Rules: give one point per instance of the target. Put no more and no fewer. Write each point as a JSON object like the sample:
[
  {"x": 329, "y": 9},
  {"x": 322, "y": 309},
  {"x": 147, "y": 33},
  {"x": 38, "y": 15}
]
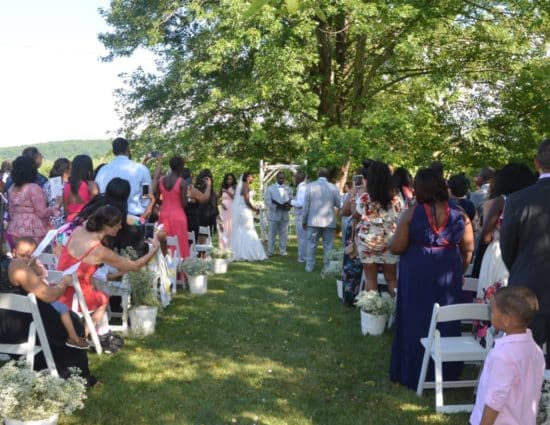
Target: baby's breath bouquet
[
  {"x": 142, "y": 283},
  {"x": 333, "y": 269},
  {"x": 336, "y": 254},
  {"x": 372, "y": 302},
  {"x": 27, "y": 395},
  {"x": 195, "y": 266},
  {"x": 221, "y": 253}
]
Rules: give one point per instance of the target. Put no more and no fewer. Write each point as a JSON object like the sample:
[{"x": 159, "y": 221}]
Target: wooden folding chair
[
  {"x": 452, "y": 349},
  {"x": 28, "y": 304}
]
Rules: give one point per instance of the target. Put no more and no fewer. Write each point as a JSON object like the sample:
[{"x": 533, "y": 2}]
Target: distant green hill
[{"x": 66, "y": 148}]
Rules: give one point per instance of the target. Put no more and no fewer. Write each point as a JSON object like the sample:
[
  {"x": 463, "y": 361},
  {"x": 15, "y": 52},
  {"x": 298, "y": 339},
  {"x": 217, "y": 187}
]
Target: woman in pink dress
[
  {"x": 81, "y": 187},
  {"x": 28, "y": 209},
  {"x": 227, "y": 193},
  {"x": 173, "y": 191}
]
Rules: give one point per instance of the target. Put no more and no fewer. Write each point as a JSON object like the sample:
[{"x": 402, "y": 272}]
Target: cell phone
[
  {"x": 145, "y": 190},
  {"x": 154, "y": 154},
  {"x": 149, "y": 230},
  {"x": 358, "y": 180}
]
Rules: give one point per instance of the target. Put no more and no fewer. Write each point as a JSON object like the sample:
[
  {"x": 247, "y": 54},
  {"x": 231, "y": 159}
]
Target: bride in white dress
[{"x": 245, "y": 243}]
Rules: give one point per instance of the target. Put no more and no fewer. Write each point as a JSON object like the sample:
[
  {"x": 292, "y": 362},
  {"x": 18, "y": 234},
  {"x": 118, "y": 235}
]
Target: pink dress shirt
[{"x": 511, "y": 381}]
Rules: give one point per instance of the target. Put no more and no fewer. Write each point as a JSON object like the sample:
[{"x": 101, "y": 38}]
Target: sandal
[{"x": 79, "y": 343}]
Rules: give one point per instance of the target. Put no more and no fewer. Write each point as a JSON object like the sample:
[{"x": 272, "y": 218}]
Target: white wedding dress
[{"x": 245, "y": 243}]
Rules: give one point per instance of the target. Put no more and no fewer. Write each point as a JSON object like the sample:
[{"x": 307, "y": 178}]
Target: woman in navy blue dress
[{"x": 435, "y": 241}]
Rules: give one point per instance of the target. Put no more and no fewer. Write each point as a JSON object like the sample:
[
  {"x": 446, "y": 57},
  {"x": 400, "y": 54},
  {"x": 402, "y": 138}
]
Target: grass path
[{"x": 268, "y": 344}]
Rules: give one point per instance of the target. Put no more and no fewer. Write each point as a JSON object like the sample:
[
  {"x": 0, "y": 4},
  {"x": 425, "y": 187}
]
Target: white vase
[
  {"x": 52, "y": 420},
  {"x": 143, "y": 319},
  {"x": 373, "y": 324},
  {"x": 198, "y": 284},
  {"x": 219, "y": 265},
  {"x": 340, "y": 289}
]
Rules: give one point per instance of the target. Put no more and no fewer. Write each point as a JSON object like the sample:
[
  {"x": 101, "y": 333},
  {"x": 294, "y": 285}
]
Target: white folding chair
[
  {"x": 452, "y": 349},
  {"x": 470, "y": 284},
  {"x": 27, "y": 304},
  {"x": 49, "y": 261},
  {"x": 172, "y": 242},
  {"x": 79, "y": 300},
  {"x": 192, "y": 244},
  {"x": 205, "y": 247},
  {"x": 120, "y": 288},
  {"x": 54, "y": 276}
]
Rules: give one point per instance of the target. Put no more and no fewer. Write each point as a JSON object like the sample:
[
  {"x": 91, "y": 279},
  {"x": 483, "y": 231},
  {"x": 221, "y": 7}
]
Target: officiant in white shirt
[
  {"x": 277, "y": 201},
  {"x": 298, "y": 204}
]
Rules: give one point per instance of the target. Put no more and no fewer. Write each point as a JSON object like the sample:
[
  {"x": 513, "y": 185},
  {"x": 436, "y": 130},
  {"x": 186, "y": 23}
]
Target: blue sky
[{"x": 52, "y": 84}]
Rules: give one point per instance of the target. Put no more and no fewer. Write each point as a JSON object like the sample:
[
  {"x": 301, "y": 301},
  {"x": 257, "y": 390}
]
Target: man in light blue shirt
[{"x": 137, "y": 175}]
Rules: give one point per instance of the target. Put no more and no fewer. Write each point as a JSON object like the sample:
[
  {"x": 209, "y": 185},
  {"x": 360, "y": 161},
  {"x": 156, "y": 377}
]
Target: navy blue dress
[{"x": 430, "y": 271}]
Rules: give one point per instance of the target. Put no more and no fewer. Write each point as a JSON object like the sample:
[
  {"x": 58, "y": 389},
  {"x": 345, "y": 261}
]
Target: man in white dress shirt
[
  {"x": 277, "y": 201},
  {"x": 137, "y": 175},
  {"x": 298, "y": 204}
]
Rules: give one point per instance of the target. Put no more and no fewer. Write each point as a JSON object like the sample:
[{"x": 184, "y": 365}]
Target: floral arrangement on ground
[
  {"x": 29, "y": 395},
  {"x": 374, "y": 303},
  {"x": 333, "y": 269},
  {"x": 221, "y": 253},
  {"x": 195, "y": 266},
  {"x": 142, "y": 283}
]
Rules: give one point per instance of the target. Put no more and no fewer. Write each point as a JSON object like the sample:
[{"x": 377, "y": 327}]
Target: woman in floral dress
[{"x": 377, "y": 210}]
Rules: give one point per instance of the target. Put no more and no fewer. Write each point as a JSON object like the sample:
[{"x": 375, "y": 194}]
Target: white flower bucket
[
  {"x": 340, "y": 289},
  {"x": 219, "y": 265},
  {"x": 52, "y": 420},
  {"x": 372, "y": 324},
  {"x": 198, "y": 284},
  {"x": 143, "y": 319}
]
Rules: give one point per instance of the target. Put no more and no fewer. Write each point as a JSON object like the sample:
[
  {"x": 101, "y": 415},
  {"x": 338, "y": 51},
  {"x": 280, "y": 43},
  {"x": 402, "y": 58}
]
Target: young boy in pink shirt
[{"x": 510, "y": 385}]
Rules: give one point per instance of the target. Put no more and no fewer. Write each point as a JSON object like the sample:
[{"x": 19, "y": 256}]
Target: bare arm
[
  {"x": 490, "y": 219},
  {"x": 400, "y": 240},
  {"x": 105, "y": 255},
  {"x": 21, "y": 274},
  {"x": 467, "y": 243},
  {"x": 93, "y": 188},
  {"x": 202, "y": 197},
  {"x": 156, "y": 175},
  {"x": 183, "y": 189},
  {"x": 246, "y": 197},
  {"x": 346, "y": 208},
  {"x": 489, "y": 416}
]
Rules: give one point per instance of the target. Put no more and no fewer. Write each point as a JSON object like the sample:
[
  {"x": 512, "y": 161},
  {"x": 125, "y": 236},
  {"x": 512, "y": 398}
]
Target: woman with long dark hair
[
  {"x": 81, "y": 186},
  {"x": 377, "y": 210}
]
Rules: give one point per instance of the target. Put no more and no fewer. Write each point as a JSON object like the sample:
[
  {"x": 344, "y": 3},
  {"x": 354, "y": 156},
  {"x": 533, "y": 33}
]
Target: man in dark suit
[{"x": 525, "y": 242}]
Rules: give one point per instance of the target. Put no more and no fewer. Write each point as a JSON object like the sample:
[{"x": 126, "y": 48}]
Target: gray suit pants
[
  {"x": 313, "y": 234},
  {"x": 280, "y": 228},
  {"x": 301, "y": 236}
]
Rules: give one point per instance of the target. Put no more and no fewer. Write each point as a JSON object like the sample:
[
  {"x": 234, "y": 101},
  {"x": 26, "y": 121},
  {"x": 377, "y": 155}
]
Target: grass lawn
[{"x": 268, "y": 344}]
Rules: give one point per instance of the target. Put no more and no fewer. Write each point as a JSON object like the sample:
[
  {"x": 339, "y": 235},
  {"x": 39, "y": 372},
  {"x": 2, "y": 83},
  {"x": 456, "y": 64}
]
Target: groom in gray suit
[
  {"x": 318, "y": 216},
  {"x": 277, "y": 201}
]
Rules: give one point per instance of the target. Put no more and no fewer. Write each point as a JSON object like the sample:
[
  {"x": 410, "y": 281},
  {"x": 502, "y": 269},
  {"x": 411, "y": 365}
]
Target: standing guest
[
  {"x": 403, "y": 182},
  {"x": 318, "y": 216},
  {"x": 28, "y": 210},
  {"x": 482, "y": 181},
  {"x": 435, "y": 242},
  {"x": 36, "y": 157},
  {"x": 173, "y": 191},
  {"x": 277, "y": 202},
  {"x": 208, "y": 211},
  {"x": 137, "y": 174},
  {"x": 196, "y": 196},
  {"x": 298, "y": 204},
  {"x": 81, "y": 187},
  {"x": 437, "y": 166},
  {"x": 525, "y": 242},
  {"x": 458, "y": 189},
  {"x": 87, "y": 246},
  {"x": 61, "y": 168},
  {"x": 5, "y": 171},
  {"x": 227, "y": 193},
  {"x": 510, "y": 385},
  {"x": 377, "y": 210}
]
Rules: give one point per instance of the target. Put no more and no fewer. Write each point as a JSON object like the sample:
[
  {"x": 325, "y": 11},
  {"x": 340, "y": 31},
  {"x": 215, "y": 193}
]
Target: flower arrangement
[
  {"x": 221, "y": 253},
  {"x": 142, "y": 283},
  {"x": 195, "y": 266},
  {"x": 27, "y": 395},
  {"x": 336, "y": 254},
  {"x": 543, "y": 415},
  {"x": 334, "y": 269},
  {"x": 374, "y": 303}
]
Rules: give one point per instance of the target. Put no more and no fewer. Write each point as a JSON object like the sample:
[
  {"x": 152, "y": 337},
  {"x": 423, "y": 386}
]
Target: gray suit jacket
[
  {"x": 272, "y": 197},
  {"x": 321, "y": 199}
]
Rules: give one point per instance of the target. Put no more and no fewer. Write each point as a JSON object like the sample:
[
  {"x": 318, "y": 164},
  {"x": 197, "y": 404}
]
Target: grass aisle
[{"x": 268, "y": 344}]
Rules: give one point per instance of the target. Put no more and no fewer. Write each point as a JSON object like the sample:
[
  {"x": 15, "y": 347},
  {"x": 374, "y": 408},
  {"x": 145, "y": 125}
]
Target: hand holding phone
[
  {"x": 358, "y": 180},
  {"x": 145, "y": 190}
]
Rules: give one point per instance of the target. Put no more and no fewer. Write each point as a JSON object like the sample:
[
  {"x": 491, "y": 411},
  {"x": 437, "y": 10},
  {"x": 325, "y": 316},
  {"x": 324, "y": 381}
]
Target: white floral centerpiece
[
  {"x": 197, "y": 270},
  {"x": 220, "y": 260},
  {"x": 375, "y": 309},
  {"x": 336, "y": 254},
  {"x": 27, "y": 395}
]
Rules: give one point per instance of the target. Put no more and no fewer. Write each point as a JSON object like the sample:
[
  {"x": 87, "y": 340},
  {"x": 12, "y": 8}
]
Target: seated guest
[
  {"x": 435, "y": 242},
  {"x": 81, "y": 187},
  {"x": 16, "y": 277},
  {"x": 28, "y": 210},
  {"x": 87, "y": 246}
]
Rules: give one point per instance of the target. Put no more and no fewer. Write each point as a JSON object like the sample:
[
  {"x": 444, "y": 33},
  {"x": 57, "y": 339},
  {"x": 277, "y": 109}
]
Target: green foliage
[{"x": 331, "y": 81}]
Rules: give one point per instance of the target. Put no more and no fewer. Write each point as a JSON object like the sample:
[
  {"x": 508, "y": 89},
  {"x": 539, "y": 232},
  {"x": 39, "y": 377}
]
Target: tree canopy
[{"x": 335, "y": 81}]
